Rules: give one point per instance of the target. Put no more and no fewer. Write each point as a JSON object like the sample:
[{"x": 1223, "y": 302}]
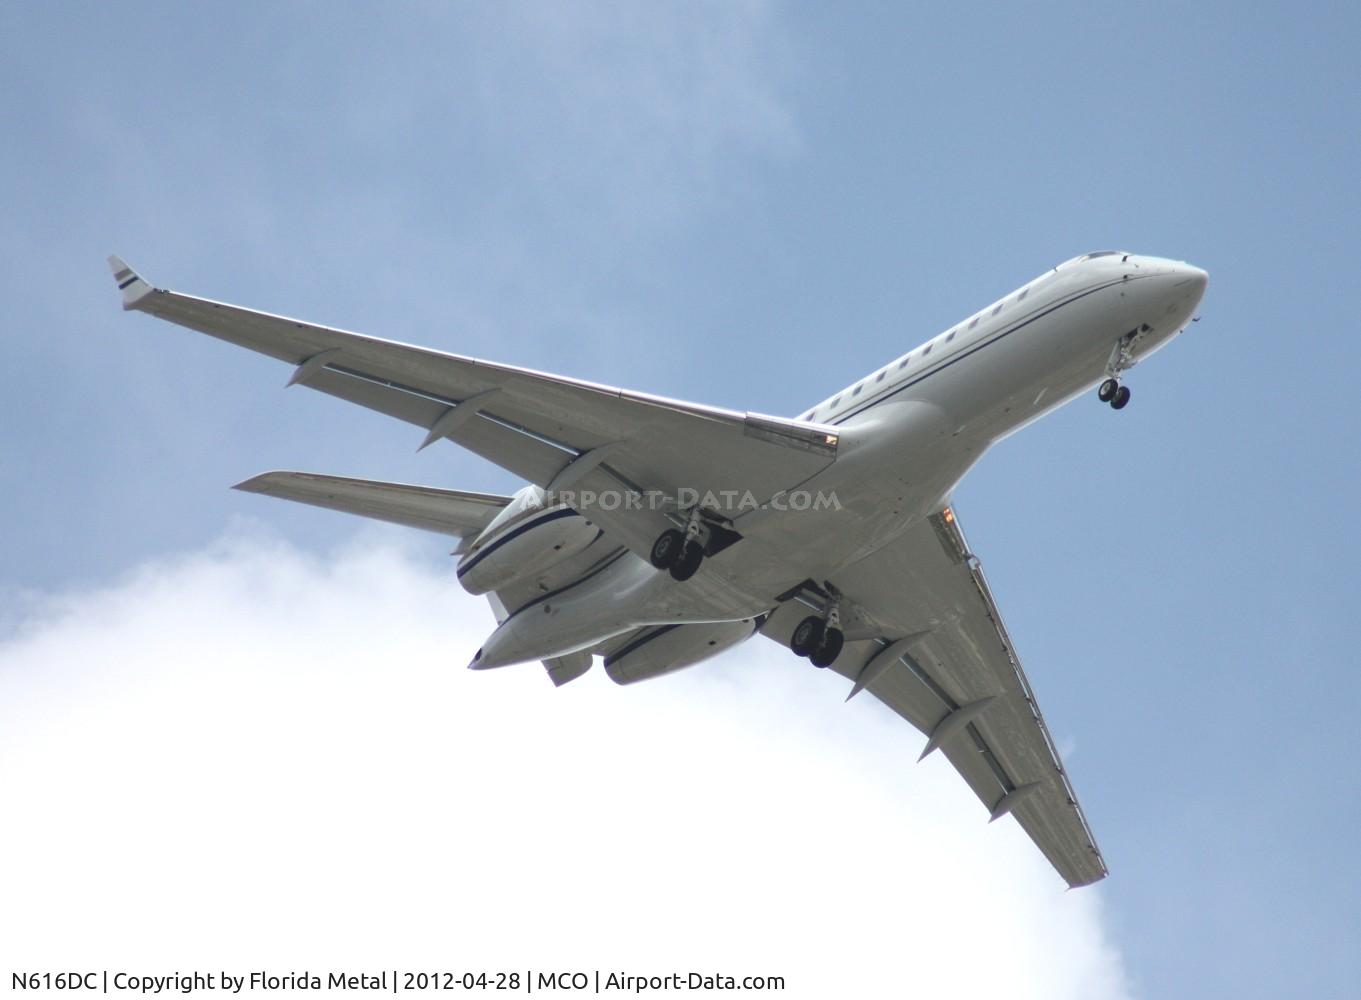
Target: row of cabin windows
[{"x": 908, "y": 359}]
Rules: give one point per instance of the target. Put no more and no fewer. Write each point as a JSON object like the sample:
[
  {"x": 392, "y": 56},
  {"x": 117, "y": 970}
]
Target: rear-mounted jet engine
[{"x": 526, "y": 538}]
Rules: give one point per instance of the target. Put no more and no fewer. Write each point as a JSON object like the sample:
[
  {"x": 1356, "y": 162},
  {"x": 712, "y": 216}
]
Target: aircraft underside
[{"x": 658, "y": 533}]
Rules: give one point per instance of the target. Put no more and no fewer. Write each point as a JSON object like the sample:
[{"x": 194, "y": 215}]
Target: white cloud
[{"x": 250, "y": 757}]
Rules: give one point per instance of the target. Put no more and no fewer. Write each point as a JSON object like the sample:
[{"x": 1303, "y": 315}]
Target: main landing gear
[
  {"x": 819, "y": 640},
  {"x": 681, "y": 552},
  {"x": 674, "y": 552}
]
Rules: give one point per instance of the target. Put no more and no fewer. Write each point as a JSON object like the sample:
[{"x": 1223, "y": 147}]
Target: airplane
[{"x": 656, "y": 533}]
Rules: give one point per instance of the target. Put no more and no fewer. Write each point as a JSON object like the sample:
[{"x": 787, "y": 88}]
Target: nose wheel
[
  {"x": 1113, "y": 392},
  {"x": 816, "y": 640}
]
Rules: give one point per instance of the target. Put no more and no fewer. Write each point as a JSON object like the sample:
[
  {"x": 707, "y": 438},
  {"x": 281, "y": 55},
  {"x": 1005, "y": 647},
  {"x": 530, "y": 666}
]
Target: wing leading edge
[{"x": 557, "y": 432}]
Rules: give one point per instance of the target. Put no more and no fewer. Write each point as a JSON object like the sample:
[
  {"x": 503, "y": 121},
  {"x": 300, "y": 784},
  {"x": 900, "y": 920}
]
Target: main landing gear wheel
[
  {"x": 813, "y": 639},
  {"x": 825, "y": 655},
  {"x": 687, "y": 565},
  {"x": 1121, "y": 398},
  {"x": 808, "y": 636},
  {"x": 667, "y": 549},
  {"x": 1107, "y": 390}
]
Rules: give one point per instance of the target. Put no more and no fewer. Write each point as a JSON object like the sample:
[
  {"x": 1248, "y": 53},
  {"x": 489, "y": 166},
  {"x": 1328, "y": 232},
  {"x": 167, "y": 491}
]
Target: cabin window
[
  {"x": 951, "y": 336},
  {"x": 1023, "y": 294},
  {"x": 998, "y": 309},
  {"x": 973, "y": 323},
  {"x": 835, "y": 401},
  {"x": 856, "y": 390},
  {"x": 903, "y": 363},
  {"x": 880, "y": 376},
  {"x": 926, "y": 350}
]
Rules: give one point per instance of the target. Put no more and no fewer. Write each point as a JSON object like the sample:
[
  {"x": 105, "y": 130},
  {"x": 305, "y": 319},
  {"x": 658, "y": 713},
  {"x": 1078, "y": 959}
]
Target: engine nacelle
[
  {"x": 525, "y": 538},
  {"x": 661, "y": 649}
]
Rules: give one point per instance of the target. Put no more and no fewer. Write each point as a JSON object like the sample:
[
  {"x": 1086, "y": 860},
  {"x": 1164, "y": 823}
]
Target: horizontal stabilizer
[{"x": 449, "y": 512}]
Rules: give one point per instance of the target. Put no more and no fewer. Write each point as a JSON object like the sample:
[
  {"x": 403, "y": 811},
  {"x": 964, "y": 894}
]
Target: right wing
[
  {"x": 557, "y": 432},
  {"x": 924, "y": 636},
  {"x": 449, "y": 512}
]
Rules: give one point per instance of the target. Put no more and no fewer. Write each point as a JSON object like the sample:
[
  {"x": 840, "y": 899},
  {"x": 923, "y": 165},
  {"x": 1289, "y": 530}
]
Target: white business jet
[{"x": 657, "y": 533}]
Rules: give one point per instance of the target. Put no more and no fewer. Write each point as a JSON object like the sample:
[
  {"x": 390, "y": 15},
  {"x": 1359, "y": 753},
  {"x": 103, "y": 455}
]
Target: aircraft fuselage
[{"x": 908, "y": 433}]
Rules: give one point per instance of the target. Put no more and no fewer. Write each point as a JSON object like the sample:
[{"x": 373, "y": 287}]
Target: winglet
[{"x": 132, "y": 285}]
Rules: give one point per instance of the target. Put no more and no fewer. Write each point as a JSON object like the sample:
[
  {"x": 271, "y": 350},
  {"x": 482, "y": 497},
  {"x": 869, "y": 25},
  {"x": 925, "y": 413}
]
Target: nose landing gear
[
  {"x": 1113, "y": 392},
  {"x": 1121, "y": 360}
]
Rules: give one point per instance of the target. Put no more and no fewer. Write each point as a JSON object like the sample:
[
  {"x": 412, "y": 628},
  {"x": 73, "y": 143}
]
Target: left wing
[
  {"x": 557, "y": 432},
  {"x": 925, "y": 637}
]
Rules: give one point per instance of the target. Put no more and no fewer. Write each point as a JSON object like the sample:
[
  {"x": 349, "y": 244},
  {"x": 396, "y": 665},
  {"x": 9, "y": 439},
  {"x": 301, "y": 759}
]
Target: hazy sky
[{"x": 235, "y": 731}]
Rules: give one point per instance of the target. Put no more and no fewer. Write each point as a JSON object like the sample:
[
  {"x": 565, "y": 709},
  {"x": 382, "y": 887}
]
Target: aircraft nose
[
  {"x": 1185, "y": 286},
  {"x": 1194, "y": 276},
  {"x": 1183, "y": 290}
]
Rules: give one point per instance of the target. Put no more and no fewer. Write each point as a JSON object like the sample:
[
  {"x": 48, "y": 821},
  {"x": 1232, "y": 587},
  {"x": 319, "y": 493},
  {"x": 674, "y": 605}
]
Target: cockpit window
[{"x": 1092, "y": 256}]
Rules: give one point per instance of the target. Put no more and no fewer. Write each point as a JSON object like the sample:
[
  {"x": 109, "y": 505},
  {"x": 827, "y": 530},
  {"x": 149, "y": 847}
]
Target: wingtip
[
  {"x": 133, "y": 286},
  {"x": 260, "y": 483}
]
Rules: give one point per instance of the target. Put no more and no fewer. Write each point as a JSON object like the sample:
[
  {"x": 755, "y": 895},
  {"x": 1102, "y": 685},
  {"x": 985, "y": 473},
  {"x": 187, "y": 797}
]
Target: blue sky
[{"x": 752, "y": 205}]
